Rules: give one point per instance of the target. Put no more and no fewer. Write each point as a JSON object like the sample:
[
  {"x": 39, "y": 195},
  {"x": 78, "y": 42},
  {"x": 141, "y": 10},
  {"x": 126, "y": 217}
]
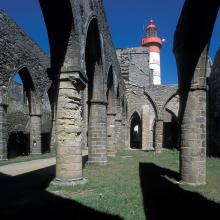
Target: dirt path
[
  {"x": 25, "y": 167},
  {"x": 28, "y": 166}
]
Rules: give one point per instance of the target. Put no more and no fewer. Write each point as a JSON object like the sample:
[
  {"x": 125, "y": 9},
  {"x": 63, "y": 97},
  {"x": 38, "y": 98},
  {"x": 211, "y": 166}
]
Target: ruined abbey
[{"x": 89, "y": 96}]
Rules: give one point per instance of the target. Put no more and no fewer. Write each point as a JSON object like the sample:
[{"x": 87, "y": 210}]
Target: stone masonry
[{"x": 76, "y": 80}]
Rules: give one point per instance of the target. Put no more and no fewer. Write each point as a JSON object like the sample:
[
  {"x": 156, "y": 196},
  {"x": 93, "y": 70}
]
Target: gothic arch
[
  {"x": 135, "y": 131},
  {"x": 153, "y": 103},
  {"x": 171, "y": 108},
  {"x": 18, "y": 120},
  {"x": 167, "y": 101}
]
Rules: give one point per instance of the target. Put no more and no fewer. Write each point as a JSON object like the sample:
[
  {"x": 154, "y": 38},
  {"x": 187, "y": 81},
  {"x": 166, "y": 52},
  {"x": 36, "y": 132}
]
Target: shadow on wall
[
  {"x": 166, "y": 200},
  {"x": 171, "y": 135},
  {"x": 45, "y": 141},
  {"x": 25, "y": 196},
  {"x": 18, "y": 145}
]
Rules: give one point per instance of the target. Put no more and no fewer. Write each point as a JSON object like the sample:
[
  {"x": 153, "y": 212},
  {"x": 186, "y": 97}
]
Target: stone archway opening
[
  {"x": 171, "y": 133},
  {"x": 24, "y": 121},
  {"x": 135, "y": 132},
  {"x": 19, "y": 136},
  {"x": 18, "y": 144}
]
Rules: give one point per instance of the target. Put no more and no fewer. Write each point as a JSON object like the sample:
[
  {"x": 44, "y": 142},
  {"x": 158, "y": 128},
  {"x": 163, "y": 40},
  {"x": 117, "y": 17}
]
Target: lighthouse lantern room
[{"x": 153, "y": 43}]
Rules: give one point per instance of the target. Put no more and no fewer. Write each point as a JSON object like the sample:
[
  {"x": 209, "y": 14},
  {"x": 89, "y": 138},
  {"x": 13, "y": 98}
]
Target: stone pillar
[
  {"x": 127, "y": 136},
  {"x": 111, "y": 150},
  {"x": 118, "y": 127},
  {"x": 146, "y": 128},
  {"x": 97, "y": 133},
  {"x": 53, "y": 136},
  {"x": 123, "y": 134},
  {"x": 68, "y": 128},
  {"x": 3, "y": 143},
  {"x": 193, "y": 126},
  {"x": 193, "y": 139},
  {"x": 158, "y": 135},
  {"x": 35, "y": 134},
  {"x": 85, "y": 118}
]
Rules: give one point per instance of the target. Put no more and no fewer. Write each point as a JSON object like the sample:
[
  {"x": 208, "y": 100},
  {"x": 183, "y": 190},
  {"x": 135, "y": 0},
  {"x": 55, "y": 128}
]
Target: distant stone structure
[
  {"x": 23, "y": 109},
  {"x": 87, "y": 95},
  {"x": 151, "y": 107}
]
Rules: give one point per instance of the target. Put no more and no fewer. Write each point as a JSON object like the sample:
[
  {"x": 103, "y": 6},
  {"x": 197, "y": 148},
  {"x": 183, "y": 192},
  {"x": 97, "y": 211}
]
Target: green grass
[
  {"x": 27, "y": 158},
  {"x": 119, "y": 187}
]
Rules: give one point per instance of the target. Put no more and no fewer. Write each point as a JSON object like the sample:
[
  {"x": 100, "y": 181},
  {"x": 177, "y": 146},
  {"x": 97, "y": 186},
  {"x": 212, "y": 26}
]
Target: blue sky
[{"x": 126, "y": 19}]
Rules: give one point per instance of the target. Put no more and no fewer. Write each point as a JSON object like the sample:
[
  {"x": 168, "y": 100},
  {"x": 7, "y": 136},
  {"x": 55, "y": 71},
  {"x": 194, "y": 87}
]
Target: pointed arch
[
  {"x": 176, "y": 93},
  {"x": 153, "y": 103},
  {"x": 135, "y": 131}
]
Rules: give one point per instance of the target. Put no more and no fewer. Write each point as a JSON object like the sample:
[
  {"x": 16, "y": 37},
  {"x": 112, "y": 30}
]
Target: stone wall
[
  {"x": 20, "y": 54},
  {"x": 136, "y": 101},
  {"x": 134, "y": 64},
  {"x": 18, "y": 50}
]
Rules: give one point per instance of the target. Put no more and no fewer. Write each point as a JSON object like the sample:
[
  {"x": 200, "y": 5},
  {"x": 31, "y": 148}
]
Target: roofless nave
[{"x": 88, "y": 95}]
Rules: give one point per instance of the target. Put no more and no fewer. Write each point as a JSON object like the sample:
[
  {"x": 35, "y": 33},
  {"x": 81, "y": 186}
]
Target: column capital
[
  {"x": 75, "y": 75},
  {"x": 118, "y": 119},
  {"x": 198, "y": 87},
  {"x": 193, "y": 87},
  {"x": 35, "y": 114},
  {"x": 72, "y": 73},
  {"x": 159, "y": 120},
  {"x": 111, "y": 113},
  {"x": 97, "y": 102}
]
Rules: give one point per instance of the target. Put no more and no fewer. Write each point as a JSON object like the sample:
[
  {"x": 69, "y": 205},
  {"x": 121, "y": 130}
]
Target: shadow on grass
[
  {"x": 164, "y": 199},
  {"x": 25, "y": 196}
]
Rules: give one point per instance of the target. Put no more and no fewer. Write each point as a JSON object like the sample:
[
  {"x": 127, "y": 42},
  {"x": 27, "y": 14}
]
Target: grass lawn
[{"x": 142, "y": 185}]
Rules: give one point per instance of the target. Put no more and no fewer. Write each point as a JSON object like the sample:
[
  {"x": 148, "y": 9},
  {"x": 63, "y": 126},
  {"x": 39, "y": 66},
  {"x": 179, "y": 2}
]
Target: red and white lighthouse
[{"x": 153, "y": 43}]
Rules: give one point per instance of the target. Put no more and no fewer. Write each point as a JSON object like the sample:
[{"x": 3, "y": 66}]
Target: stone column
[
  {"x": 193, "y": 139},
  {"x": 85, "y": 118},
  {"x": 53, "y": 142},
  {"x": 35, "y": 134},
  {"x": 123, "y": 134},
  {"x": 118, "y": 125},
  {"x": 158, "y": 135},
  {"x": 97, "y": 133},
  {"x": 111, "y": 150},
  {"x": 146, "y": 128},
  {"x": 118, "y": 135},
  {"x": 193, "y": 126},
  {"x": 3, "y": 143},
  {"x": 68, "y": 128},
  {"x": 127, "y": 136}
]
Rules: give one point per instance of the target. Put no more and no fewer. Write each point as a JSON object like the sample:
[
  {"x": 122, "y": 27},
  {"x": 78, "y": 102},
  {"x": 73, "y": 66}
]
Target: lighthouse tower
[{"x": 153, "y": 43}]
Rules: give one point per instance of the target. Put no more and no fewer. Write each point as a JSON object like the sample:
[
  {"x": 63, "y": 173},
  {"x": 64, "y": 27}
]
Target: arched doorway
[{"x": 135, "y": 132}]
